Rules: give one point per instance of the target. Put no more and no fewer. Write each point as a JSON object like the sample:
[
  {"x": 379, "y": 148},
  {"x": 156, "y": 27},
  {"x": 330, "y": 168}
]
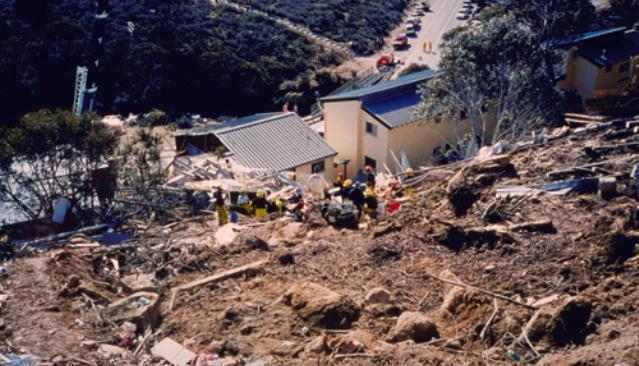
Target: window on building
[
  {"x": 462, "y": 115},
  {"x": 318, "y": 167},
  {"x": 624, "y": 67},
  {"x": 609, "y": 68},
  {"x": 371, "y": 162},
  {"x": 371, "y": 129}
]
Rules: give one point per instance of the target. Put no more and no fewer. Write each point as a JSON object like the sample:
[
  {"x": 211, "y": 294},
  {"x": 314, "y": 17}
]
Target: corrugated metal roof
[
  {"x": 384, "y": 87},
  {"x": 276, "y": 143},
  {"x": 395, "y": 111}
]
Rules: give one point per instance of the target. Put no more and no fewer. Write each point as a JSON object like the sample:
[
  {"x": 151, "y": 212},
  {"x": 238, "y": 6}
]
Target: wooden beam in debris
[{"x": 219, "y": 277}]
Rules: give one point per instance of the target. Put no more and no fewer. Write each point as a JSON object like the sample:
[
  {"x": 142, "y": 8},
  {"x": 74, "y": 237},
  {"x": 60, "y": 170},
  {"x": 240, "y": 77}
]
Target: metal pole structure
[
  {"x": 87, "y": 78},
  {"x": 97, "y": 52}
]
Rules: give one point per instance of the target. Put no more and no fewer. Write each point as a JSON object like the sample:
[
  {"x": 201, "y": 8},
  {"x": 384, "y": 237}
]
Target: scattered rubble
[{"x": 526, "y": 257}]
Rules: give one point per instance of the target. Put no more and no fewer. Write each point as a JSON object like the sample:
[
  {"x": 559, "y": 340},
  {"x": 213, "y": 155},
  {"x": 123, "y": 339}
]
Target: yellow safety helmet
[
  {"x": 260, "y": 194},
  {"x": 348, "y": 183},
  {"x": 409, "y": 172}
]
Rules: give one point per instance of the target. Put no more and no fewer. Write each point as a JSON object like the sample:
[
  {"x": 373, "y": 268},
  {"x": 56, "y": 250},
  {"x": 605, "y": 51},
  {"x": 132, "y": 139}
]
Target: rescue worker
[
  {"x": 410, "y": 173},
  {"x": 297, "y": 204},
  {"x": 338, "y": 181},
  {"x": 370, "y": 176},
  {"x": 244, "y": 203},
  {"x": 370, "y": 198},
  {"x": 6, "y": 250},
  {"x": 260, "y": 204},
  {"x": 345, "y": 189},
  {"x": 357, "y": 197},
  {"x": 219, "y": 198},
  {"x": 317, "y": 184},
  {"x": 275, "y": 205}
]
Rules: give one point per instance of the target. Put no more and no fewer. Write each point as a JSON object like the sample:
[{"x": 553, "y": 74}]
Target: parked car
[
  {"x": 463, "y": 14},
  {"x": 418, "y": 13},
  {"x": 409, "y": 29},
  {"x": 400, "y": 42}
]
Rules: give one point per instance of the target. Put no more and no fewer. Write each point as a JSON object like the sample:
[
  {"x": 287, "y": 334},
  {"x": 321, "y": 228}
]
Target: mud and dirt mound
[{"x": 320, "y": 306}]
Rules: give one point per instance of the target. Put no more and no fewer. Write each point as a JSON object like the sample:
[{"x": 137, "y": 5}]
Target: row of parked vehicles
[
  {"x": 469, "y": 8},
  {"x": 412, "y": 25}
]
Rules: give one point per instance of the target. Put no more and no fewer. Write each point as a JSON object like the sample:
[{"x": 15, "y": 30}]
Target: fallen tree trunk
[{"x": 218, "y": 277}]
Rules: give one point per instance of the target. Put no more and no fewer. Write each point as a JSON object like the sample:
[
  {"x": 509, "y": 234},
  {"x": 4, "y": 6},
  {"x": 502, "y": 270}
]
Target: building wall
[
  {"x": 568, "y": 83},
  {"x": 420, "y": 139},
  {"x": 591, "y": 82},
  {"x": 613, "y": 80},
  {"x": 585, "y": 77},
  {"x": 302, "y": 172},
  {"x": 374, "y": 147},
  {"x": 343, "y": 131}
]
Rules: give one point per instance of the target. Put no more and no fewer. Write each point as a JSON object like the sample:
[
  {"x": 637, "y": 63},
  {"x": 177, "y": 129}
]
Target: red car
[{"x": 400, "y": 42}]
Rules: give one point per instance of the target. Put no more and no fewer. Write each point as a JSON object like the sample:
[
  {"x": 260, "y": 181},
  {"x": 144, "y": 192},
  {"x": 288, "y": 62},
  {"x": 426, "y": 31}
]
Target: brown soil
[{"x": 590, "y": 254}]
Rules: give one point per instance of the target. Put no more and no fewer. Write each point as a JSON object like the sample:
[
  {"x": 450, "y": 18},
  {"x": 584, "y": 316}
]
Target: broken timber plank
[
  {"x": 541, "y": 225},
  {"x": 218, "y": 277}
]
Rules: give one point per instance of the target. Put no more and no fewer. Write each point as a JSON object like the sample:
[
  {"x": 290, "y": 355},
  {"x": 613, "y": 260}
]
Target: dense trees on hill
[
  {"x": 177, "y": 55},
  {"x": 357, "y": 21},
  {"x": 624, "y": 12}
]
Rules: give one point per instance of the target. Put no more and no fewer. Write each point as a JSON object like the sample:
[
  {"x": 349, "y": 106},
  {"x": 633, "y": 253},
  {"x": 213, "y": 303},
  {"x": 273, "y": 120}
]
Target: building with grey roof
[{"x": 268, "y": 141}]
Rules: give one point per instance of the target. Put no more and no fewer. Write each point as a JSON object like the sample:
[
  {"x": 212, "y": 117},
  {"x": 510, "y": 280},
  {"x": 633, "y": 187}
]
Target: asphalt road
[{"x": 435, "y": 23}]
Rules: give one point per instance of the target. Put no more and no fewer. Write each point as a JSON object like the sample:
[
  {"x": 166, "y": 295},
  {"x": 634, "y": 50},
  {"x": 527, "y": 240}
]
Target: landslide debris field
[{"x": 471, "y": 271}]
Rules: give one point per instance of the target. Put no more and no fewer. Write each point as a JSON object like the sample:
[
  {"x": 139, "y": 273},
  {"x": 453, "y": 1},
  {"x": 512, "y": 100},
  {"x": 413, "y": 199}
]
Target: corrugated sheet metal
[{"x": 276, "y": 143}]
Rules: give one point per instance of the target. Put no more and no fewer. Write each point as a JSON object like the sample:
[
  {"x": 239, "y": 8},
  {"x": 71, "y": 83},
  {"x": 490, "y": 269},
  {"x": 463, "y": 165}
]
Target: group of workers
[
  {"x": 259, "y": 206},
  {"x": 362, "y": 194}
]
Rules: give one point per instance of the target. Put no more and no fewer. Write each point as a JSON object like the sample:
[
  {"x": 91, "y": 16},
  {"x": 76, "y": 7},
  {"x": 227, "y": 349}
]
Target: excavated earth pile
[{"x": 525, "y": 257}]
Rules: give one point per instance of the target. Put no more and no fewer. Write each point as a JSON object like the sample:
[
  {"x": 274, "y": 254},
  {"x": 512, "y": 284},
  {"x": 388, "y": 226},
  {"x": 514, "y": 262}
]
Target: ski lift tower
[{"x": 83, "y": 96}]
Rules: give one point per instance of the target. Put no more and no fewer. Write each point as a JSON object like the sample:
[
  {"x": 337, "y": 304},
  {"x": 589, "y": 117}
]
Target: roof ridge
[{"x": 253, "y": 123}]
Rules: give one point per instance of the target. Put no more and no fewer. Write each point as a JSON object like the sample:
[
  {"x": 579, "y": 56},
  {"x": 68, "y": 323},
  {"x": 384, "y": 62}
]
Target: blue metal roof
[
  {"x": 587, "y": 36},
  {"x": 613, "y": 51},
  {"x": 390, "y": 86},
  {"x": 394, "y": 111}
]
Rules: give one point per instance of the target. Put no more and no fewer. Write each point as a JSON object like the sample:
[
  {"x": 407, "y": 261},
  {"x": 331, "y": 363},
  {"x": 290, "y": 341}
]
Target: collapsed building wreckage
[{"x": 529, "y": 255}]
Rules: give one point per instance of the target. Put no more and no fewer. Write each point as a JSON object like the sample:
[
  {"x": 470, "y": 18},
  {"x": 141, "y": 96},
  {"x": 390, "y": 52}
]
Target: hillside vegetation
[
  {"x": 357, "y": 21},
  {"x": 182, "y": 56}
]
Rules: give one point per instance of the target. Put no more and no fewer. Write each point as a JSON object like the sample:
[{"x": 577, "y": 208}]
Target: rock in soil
[
  {"x": 414, "y": 326},
  {"x": 562, "y": 325},
  {"x": 246, "y": 242},
  {"x": 320, "y": 306},
  {"x": 357, "y": 341}
]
